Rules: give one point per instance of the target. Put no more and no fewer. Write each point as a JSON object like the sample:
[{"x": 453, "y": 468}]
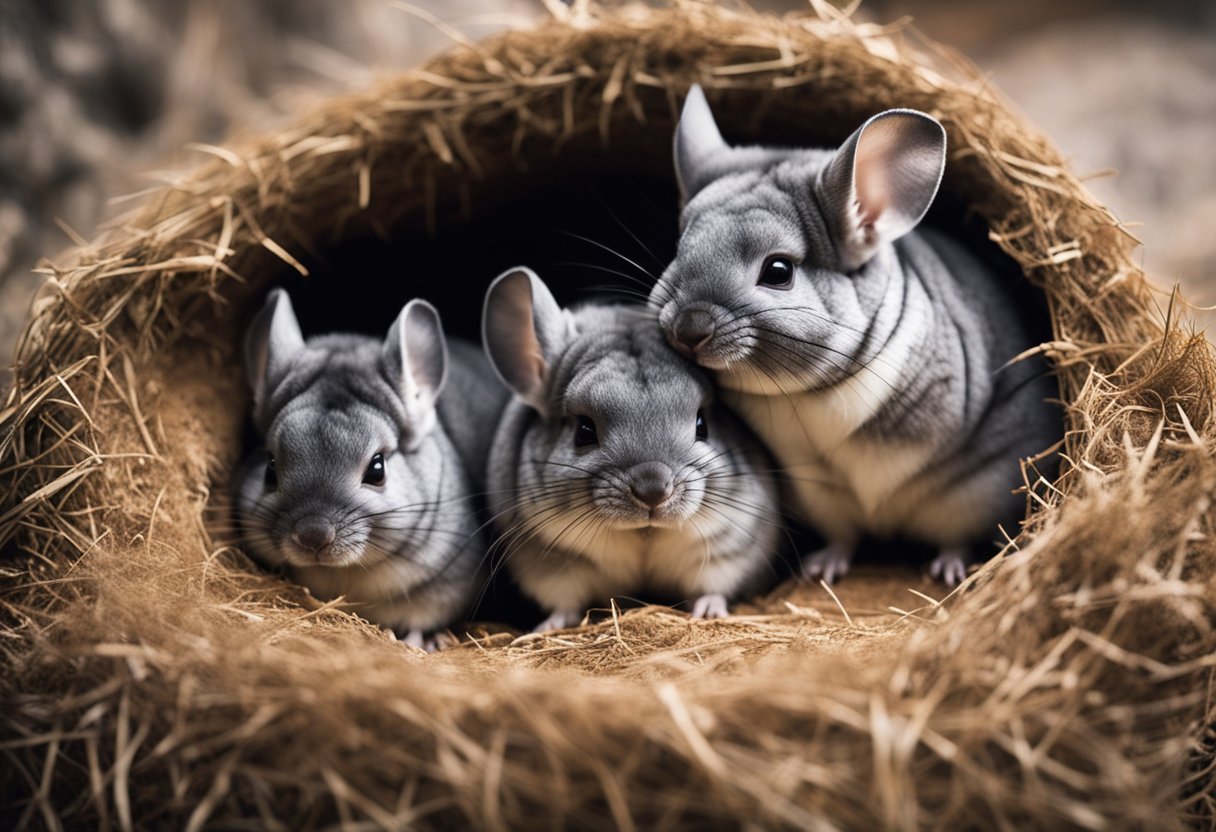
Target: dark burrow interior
[{"x": 591, "y": 237}]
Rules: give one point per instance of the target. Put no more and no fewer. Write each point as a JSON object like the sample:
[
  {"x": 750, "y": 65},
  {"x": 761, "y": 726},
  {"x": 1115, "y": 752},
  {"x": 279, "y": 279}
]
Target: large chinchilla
[{"x": 873, "y": 357}]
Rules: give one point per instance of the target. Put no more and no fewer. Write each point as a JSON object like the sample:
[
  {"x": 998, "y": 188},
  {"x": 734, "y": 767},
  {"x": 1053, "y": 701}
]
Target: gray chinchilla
[
  {"x": 374, "y": 452},
  {"x": 873, "y": 359},
  {"x": 614, "y": 470}
]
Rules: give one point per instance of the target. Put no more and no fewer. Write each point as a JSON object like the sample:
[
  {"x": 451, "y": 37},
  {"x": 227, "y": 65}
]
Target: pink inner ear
[
  {"x": 538, "y": 367},
  {"x": 520, "y": 339},
  {"x": 872, "y": 170},
  {"x": 533, "y": 358}
]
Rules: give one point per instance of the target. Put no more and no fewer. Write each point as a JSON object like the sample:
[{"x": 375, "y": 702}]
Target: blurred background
[{"x": 97, "y": 100}]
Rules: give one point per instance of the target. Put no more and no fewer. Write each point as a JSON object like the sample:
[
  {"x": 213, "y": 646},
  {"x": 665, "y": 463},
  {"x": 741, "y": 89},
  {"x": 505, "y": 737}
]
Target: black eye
[
  {"x": 272, "y": 478},
  {"x": 374, "y": 475},
  {"x": 777, "y": 273},
  {"x": 584, "y": 433},
  {"x": 702, "y": 428}
]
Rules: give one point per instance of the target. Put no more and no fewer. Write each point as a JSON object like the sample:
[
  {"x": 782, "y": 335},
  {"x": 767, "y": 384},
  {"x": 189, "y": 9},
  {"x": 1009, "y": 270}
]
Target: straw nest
[{"x": 152, "y": 677}]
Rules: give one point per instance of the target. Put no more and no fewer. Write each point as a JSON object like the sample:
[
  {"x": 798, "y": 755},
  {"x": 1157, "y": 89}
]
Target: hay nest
[{"x": 152, "y": 677}]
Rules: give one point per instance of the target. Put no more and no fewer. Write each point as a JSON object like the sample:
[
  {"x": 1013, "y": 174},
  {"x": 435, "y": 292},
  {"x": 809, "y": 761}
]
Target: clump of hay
[{"x": 152, "y": 678}]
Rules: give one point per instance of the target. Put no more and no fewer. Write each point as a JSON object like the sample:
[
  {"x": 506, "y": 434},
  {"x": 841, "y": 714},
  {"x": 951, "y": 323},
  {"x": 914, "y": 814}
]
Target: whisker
[
  {"x": 611, "y": 251},
  {"x": 625, "y": 227}
]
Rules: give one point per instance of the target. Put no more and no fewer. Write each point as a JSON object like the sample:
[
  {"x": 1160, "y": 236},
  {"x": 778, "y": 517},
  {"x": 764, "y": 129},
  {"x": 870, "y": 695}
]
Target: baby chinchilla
[
  {"x": 873, "y": 359},
  {"x": 613, "y": 470},
  {"x": 374, "y": 451}
]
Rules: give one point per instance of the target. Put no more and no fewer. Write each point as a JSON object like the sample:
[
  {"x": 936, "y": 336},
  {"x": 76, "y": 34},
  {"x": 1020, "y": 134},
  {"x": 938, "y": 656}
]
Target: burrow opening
[{"x": 593, "y": 236}]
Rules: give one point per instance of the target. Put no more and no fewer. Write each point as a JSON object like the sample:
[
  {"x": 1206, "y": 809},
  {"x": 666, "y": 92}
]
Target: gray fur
[
  {"x": 406, "y": 554},
  {"x": 574, "y": 533},
  {"x": 879, "y": 377}
]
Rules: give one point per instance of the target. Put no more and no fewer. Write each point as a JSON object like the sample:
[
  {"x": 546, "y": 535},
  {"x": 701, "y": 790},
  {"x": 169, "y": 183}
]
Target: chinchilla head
[
  {"x": 785, "y": 255},
  {"x": 352, "y": 460},
  {"x": 625, "y": 434}
]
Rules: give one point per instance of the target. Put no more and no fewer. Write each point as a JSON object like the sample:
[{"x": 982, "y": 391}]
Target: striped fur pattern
[{"x": 879, "y": 374}]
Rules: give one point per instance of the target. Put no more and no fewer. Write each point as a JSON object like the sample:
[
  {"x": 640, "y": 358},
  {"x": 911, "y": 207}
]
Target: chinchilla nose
[
  {"x": 691, "y": 329},
  {"x": 313, "y": 533},
  {"x": 651, "y": 483}
]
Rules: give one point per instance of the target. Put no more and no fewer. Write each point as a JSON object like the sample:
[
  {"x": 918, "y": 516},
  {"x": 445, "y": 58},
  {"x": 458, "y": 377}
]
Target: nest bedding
[{"x": 152, "y": 676}]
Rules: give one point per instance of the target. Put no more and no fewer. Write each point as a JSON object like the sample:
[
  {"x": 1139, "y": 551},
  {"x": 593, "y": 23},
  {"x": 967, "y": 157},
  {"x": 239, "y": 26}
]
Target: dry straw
[{"x": 151, "y": 678}]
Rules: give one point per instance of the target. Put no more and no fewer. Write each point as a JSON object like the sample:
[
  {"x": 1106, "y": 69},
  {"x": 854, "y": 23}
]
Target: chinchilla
[
  {"x": 373, "y": 454},
  {"x": 874, "y": 359},
  {"x": 614, "y": 470}
]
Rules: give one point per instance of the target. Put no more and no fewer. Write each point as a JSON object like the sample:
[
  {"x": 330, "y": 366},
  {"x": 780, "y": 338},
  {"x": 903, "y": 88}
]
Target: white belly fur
[
  {"x": 845, "y": 484},
  {"x": 380, "y": 592},
  {"x": 619, "y": 562}
]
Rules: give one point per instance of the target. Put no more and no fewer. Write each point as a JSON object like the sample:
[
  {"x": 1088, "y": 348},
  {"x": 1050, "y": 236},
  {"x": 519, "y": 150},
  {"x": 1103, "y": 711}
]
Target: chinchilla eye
[
  {"x": 702, "y": 428},
  {"x": 584, "y": 433},
  {"x": 374, "y": 475},
  {"x": 777, "y": 273},
  {"x": 272, "y": 478}
]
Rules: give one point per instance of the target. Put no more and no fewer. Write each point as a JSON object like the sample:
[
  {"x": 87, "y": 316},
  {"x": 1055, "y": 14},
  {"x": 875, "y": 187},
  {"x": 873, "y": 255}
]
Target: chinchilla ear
[
  {"x": 416, "y": 355},
  {"x": 271, "y": 344},
  {"x": 523, "y": 329},
  {"x": 697, "y": 142},
  {"x": 880, "y": 183}
]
